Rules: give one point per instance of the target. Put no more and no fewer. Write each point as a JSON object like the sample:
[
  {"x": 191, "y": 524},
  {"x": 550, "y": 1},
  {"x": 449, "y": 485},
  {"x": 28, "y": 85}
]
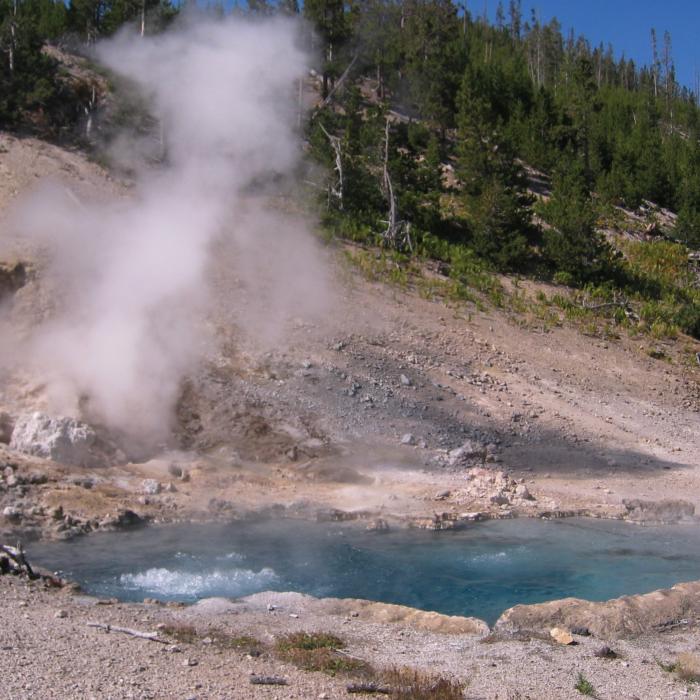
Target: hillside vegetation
[{"x": 504, "y": 147}]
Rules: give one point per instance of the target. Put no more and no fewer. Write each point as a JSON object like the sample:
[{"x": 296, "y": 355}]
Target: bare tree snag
[
  {"x": 338, "y": 84},
  {"x": 337, "y": 189},
  {"x": 396, "y": 231}
]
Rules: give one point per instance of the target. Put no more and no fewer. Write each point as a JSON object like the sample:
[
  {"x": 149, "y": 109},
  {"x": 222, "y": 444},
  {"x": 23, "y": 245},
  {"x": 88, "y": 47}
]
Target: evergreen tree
[{"x": 572, "y": 244}]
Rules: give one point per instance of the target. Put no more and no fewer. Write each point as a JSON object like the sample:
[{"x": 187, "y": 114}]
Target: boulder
[
  {"x": 151, "y": 487},
  {"x": 662, "y": 512},
  {"x": 61, "y": 439},
  {"x": 561, "y": 636},
  {"x": 470, "y": 451},
  {"x": 521, "y": 491}
]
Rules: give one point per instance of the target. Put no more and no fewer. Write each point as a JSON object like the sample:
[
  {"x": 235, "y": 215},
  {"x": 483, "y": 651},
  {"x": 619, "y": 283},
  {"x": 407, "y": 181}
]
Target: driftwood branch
[
  {"x": 16, "y": 554},
  {"x": 151, "y": 636},
  {"x": 268, "y": 680},
  {"x": 606, "y": 305},
  {"x": 622, "y": 303}
]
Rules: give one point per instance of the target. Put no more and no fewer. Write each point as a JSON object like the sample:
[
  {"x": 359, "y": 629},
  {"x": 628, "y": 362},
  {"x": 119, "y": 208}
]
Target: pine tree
[{"x": 572, "y": 244}]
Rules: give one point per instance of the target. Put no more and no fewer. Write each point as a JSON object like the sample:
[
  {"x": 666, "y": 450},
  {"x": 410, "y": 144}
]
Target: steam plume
[{"x": 132, "y": 274}]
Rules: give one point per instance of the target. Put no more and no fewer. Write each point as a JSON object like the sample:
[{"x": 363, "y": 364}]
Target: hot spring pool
[{"x": 480, "y": 571}]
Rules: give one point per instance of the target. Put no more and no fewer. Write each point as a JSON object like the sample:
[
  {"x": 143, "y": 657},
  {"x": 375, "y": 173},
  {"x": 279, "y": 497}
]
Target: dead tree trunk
[
  {"x": 397, "y": 232},
  {"x": 337, "y": 189}
]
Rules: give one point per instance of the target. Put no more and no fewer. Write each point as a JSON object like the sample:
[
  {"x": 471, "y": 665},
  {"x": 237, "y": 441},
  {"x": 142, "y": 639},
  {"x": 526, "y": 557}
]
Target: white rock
[
  {"x": 521, "y": 491},
  {"x": 61, "y": 439},
  {"x": 408, "y": 439},
  {"x": 150, "y": 487},
  {"x": 11, "y": 513}
]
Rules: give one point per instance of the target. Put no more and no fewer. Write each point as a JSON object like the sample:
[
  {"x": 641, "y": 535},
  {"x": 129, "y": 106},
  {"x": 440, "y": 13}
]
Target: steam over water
[{"x": 479, "y": 571}]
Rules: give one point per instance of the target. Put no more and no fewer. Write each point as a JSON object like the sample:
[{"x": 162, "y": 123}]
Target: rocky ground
[
  {"x": 391, "y": 409},
  {"x": 47, "y": 647}
]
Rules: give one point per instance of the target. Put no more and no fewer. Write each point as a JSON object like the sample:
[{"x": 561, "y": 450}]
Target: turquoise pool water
[{"x": 479, "y": 571}]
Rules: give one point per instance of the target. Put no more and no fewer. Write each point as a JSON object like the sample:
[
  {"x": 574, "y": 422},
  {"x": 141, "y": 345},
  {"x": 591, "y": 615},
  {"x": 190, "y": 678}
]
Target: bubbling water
[{"x": 478, "y": 571}]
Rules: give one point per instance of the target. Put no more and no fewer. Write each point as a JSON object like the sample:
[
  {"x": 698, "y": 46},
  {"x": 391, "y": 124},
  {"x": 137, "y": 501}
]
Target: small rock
[
  {"x": 521, "y": 491},
  {"x": 57, "y": 513},
  {"x": 190, "y": 662},
  {"x": 14, "y": 515},
  {"x": 405, "y": 380},
  {"x": 271, "y": 607},
  {"x": 442, "y": 495},
  {"x": 581, "y": 631},
  {"x": 408, "y": 439},
  {"x": 561, "y": 636},
  {"x": 379, "y": 524},
  {"x": 60, "y": 614},
  {"x": 605, "y": 652},
  {"x": 499, "y": 499}
]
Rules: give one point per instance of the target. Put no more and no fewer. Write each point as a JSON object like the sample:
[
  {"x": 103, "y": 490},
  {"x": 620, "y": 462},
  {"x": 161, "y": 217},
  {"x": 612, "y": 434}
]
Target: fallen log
[{"x": 268, "y": 680}]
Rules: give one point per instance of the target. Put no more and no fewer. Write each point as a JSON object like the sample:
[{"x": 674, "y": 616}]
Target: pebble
[{"x": 60, "y": 614}]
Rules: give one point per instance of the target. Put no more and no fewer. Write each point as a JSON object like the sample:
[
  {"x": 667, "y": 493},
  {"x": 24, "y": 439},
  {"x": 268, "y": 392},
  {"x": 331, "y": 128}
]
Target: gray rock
[
  {"x": 12, "y": 514},
  {"x": 151, "y": 487},
  {"x": 408, "y": 439},
  {"x": 499, "y": 499},
  {"x": 470, "y": 451},
  {"x": 666, "y": 511},
  {"x": 521, "y": 491},
  {"x": 379, "y": 525},
  {"x": 61, "y": 439},
  {"x": 405, "y": 380}
]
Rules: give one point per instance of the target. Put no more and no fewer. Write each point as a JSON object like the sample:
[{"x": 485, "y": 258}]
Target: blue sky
[{"x": 626, "y": 24}]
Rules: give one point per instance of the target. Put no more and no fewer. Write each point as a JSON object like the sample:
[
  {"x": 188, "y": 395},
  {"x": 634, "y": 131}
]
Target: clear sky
[{"x": 626, "y": 24}]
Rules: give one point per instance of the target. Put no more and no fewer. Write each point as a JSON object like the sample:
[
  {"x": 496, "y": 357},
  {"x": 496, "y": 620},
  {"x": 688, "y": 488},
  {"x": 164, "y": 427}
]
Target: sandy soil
[{"x": 47, "y": 648}]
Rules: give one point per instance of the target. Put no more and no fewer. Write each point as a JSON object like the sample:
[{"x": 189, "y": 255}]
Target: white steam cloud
[{"x": 132, "y": 275}]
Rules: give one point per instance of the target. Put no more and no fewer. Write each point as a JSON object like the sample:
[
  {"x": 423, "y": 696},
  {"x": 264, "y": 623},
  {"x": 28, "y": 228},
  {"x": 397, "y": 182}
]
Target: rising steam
[{"x": 132, "y": 275}]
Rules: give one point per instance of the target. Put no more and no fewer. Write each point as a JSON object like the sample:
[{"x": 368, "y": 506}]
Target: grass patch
[
  {"x": 584, "y": 686},
  {"x": 188, "y": 634},
  {"x": 185, "y": 634},
  {"x": 687, "y": 667},
  {"x": 318, "y": 651},
  {"x": 412, "y": 684}
]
